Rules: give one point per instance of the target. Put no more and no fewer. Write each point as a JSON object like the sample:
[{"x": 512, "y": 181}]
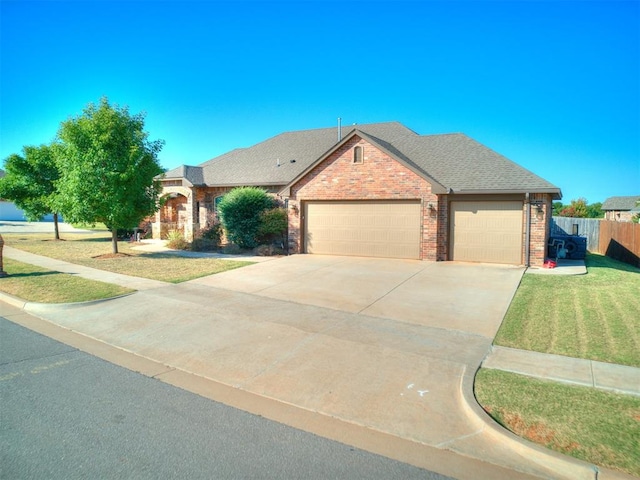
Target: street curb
[
  {"x": 567, "y": 467},
  {"x": 43, "y": 307}
]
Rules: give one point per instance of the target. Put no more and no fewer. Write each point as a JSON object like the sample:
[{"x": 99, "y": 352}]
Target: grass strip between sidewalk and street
[
  {"x": 593, "y": 316},
  {"x": 94, "y": 250},
  {"x": 599, "y": 427},
  {"x": 35, "y": 284}
]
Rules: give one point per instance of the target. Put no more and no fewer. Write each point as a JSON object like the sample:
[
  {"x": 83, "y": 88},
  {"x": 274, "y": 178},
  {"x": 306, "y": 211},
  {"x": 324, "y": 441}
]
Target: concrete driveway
[
  {"x": 470, "y": 298},
  {"x": 372, "y": 352}
]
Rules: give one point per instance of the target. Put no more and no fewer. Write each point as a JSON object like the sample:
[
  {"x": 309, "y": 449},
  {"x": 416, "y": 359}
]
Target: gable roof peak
[{"x": 621, "y": 203}]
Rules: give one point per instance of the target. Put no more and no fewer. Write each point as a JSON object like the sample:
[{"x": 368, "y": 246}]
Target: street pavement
[
  {"x": 69, "y": 415},
  {"x": 388, "y": 377}
]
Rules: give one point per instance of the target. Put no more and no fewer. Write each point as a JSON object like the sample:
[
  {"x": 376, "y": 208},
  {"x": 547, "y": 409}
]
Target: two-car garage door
[{"x": 363, "y": 228}]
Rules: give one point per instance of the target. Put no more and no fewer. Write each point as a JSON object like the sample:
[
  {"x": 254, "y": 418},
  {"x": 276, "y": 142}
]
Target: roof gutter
[{"x": 557, "y": 194}]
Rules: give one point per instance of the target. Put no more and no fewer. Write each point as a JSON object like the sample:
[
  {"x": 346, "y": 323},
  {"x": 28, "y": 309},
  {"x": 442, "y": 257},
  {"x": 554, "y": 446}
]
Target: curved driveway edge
[{"x": 495, "y": 437}]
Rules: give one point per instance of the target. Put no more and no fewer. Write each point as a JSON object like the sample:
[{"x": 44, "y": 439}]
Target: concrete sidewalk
[
  {"x": 393, "y": 387},
  {"x": 576, "y": 371},
  {"x": 136, "y": 283}
]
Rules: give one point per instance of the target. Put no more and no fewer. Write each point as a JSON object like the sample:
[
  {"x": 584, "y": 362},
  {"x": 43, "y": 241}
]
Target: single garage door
[
  {"x": 363, "y": 228},
  {"x": 487, "y": 232}
]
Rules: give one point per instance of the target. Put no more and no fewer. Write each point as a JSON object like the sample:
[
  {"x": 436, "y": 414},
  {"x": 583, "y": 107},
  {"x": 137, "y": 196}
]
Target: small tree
[
  {"x": 108, "y": 168},
  {"x": 240, "y": 211},
  {"x": 30, "y": 182},
  {"x": 577, "y": 209}
]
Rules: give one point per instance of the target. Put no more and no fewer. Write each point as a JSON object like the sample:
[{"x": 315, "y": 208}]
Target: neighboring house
[
  {"x": 621, "y": 209},
  {"x": 379, "y": 190}
]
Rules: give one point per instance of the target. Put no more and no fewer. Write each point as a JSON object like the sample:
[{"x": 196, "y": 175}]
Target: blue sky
[{"x": 554, "y": 86}]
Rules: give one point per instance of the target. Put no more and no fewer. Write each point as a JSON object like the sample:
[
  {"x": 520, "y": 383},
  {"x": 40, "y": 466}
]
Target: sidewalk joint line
[
  {"x": 461, "y": 437},
  {"x": 394, "y": 288}
]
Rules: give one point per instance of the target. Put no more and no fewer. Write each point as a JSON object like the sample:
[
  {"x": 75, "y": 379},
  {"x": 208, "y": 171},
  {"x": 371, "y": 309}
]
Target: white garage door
[
  {"x": 363, "y": 228},
  {"x": 487, "y": 232}
]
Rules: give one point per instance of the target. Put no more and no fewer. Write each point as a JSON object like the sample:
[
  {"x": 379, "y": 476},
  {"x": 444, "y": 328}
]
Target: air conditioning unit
[{"x": 572, "y": 247}]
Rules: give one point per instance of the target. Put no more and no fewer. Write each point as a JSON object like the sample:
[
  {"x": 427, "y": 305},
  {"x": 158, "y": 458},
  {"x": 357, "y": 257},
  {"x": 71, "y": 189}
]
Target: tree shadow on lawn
[
  {"x": 32, "y": 274},
  {"x": 161, "y": 255},
  {"x": 90, "y": 240}
]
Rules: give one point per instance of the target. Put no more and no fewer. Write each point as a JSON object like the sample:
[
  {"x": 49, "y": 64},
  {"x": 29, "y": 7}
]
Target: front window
[{"x": 216, "y": 201}]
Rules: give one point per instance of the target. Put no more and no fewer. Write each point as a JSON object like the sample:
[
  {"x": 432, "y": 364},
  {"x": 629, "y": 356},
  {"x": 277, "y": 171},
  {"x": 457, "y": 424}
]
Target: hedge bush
[
  {"x": 240, "y": 213},
  {"x": 273, "y": 226}
]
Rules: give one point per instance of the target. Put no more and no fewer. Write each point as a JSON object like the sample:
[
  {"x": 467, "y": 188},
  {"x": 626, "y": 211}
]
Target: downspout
[{"x": 527, "y": 235}]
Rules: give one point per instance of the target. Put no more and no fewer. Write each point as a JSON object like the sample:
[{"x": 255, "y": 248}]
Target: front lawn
[
  {"x": 599, "y": 427},
  {"x": 35, "y": 284},
  {"x": 593, "y": 316},
  {"x": 94, "y": 249}
]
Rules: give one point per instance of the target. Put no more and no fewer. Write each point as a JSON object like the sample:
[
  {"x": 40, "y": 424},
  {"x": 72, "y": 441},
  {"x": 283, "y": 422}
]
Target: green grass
[
  {"x": 599, "y": 427},
  {"x": 35, "y": 284},
  {"x": 94, "y": 249},
  {"x": 593, "y": 316}
]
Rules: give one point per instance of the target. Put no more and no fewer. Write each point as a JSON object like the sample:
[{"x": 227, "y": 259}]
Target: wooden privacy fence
[
  {"x": 587, "y": 227},
  {"x": 620, "y": 240}
]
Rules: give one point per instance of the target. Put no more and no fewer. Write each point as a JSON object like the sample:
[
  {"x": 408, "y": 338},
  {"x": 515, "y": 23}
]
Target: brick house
[
  {"x": 621, "y": 209},
  {"x": 379, "y": 190}
]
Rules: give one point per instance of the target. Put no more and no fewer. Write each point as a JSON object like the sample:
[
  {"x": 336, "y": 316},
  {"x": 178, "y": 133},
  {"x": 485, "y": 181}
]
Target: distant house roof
[
  {"x": 621, "y": 203},
  {"x": 452, "y": 163}
]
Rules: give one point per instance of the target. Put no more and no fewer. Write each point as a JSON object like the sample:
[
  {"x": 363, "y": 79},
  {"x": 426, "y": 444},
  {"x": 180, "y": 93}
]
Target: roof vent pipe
[{"x": 339, "y": 129}]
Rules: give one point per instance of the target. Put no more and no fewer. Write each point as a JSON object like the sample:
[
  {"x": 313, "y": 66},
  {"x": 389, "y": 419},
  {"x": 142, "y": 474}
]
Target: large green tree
[
  {"x": 108, "y": 168},
  {"x": 30, "y": 182}
]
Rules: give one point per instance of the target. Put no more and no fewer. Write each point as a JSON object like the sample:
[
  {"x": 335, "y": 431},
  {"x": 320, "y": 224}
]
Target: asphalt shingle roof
[
  {"x": 454, "y": 161},
  {"x": 193, "y": 175},
  {"x": 621, "y": 203},
  {"x": 279, "y": 159},
  {"x": 460, "y": 163}
]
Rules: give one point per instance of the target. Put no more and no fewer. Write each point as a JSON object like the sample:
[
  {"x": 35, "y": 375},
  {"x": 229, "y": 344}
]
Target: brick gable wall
[{"x": 378, "y": 177}]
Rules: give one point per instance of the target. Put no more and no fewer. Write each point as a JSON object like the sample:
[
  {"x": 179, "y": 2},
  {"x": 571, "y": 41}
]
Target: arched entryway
[{"x": 175, "y": 213}]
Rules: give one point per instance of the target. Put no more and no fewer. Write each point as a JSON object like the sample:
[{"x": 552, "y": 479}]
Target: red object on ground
[{"x": 549, "y": 264}]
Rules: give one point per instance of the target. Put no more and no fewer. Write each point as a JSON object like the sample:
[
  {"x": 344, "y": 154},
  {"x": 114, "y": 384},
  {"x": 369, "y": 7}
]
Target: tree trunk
[
  {"x": 55, "y": 226},
  {"x": 114, "y": 239}
]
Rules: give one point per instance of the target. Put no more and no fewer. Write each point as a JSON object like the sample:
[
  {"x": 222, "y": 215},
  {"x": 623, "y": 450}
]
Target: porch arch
[{"x": 176, "y": 212}]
